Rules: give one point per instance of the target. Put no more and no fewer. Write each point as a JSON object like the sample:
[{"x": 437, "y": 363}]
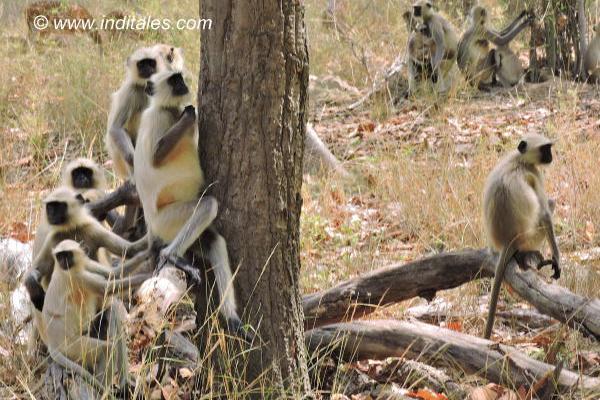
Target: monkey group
[
  {"x": 482, "y": 53},
  {"x": 85, "y": 262}
]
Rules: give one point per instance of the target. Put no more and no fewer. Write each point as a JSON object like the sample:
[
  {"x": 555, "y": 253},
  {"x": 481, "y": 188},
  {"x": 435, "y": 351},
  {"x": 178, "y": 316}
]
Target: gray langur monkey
[
  {"x": 126, "y": 108},
  {"x": 170, "y": 182},
  {"x": 78, "y": 337},
  {"x": 130, "y": 100},
  {"x": 516, "y": 212},
  {"x": 421, "y": 48},
  {"x": 478, "y": 62},
  {"x": 446, "y": 41},
  {"x": 66, "y": 217},
  {"x": 591, "y": 61}
]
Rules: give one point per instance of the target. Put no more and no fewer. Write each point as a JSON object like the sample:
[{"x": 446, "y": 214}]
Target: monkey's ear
[
  {"x": 522, "y": 147},
  {"x": 80, "y": 198},
  {"x": 149, "y": 88}
]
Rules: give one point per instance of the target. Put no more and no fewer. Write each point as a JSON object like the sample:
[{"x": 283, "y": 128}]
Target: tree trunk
[{"x": 252, "y": 119}]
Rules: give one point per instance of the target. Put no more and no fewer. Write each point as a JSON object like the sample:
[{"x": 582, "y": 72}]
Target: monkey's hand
[
  {"x": 434, "y": 75},
  {"x": 530, "y": 16},
  {"x": 556, "y": 266},
  {"x": 189, "y": 112}
]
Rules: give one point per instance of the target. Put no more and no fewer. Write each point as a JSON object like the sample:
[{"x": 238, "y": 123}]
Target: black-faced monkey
[{"x": 516, "y": 212}]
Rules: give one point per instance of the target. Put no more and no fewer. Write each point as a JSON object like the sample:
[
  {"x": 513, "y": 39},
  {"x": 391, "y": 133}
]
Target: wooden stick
[{"x": 380, "y": 339}]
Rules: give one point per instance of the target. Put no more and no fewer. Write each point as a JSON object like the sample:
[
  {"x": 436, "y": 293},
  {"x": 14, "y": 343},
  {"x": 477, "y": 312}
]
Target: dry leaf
[
  {"x": 454, "y": 325},
  {"x": 426, "y": 394},
  {"x": 489, "y": 392},
  {"x": 19, "y": 231},
  {"x": 186, "y": 373},
  {"x": 169, "y": 392}
]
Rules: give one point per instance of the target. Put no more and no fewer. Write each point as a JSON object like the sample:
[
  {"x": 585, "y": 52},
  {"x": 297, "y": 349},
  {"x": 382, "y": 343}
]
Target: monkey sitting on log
[{"x": 516, "y": 212}]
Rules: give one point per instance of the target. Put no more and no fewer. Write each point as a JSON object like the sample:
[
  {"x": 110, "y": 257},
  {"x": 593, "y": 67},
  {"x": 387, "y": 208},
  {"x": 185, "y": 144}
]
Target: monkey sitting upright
[
  {"x": 446, "y": 41},
  {"x": 421, "y": 48},
  {"x": 170, "y": 182},
  {"x": 126, "y": 108},
  {"x": 75, "y": 333},
  {"x": 478, "y": 62},
  {"x": 516, "y": 212}
]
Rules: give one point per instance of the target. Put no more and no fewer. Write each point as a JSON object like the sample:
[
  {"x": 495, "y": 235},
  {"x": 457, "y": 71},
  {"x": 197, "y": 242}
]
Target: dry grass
[{"x": 419, "y": 172}]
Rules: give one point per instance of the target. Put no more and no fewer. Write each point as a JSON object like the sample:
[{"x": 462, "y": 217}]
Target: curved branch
[{"x": 362, "y": 295}]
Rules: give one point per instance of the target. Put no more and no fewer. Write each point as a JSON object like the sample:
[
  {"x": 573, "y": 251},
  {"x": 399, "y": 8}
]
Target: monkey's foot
[
  {"x": 555, "y": 267},
  {"x": 236, "y": 328},
  {"x": 525, "y": 259},
  {"x": 180, "y": 263}
]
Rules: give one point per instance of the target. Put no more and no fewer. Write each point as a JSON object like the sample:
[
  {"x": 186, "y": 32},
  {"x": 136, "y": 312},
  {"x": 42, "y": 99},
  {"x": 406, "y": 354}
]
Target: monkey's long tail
[
  {"x": 65, "y": 362},
  {"x": 505, "y": 256}
]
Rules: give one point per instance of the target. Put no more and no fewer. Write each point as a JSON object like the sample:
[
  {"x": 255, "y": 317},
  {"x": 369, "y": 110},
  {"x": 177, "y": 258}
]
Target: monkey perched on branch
[{"x": 516, "y": 212}]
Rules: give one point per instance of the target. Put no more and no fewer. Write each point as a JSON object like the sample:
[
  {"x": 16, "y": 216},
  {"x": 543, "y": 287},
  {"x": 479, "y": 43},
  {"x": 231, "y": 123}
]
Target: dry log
[
  {"x": 438, "y": 346},
  {"x": 361, "y": 295},
  {"x": 556, "y": 301},
  {"x": 317, "y": 154}
]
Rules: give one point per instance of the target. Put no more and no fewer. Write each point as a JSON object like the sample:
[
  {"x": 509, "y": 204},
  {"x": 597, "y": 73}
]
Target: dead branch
[
  {"x": 317, "y": 154},
  {"x": 427, "y": 343},
  {"x": 360, "y": 296}
]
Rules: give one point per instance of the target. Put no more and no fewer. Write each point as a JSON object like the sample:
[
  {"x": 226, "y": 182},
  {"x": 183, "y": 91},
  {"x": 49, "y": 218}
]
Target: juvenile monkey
[
  {"x": 421, "y": 47},
  {"x": 76, "y": 335},
  {"x": 592, "y": 57},
  {"x": 445, "y": 39},
  {"x": 475, "y": 58},
  {"x": 170, "y": 181},
  {"x": 516, "y": 212}
]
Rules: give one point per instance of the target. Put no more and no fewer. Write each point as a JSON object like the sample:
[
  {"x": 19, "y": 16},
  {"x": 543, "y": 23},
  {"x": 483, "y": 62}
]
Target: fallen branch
[
  {"x": 556, "y": 301},
  {"x": 362, "y": 295},
  {"x": 501, "y": 364},
  {"x": 317, "y": 154}
]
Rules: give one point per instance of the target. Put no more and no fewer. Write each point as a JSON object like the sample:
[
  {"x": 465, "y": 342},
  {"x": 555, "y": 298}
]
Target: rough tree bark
[{"x": 252, "y": 118}]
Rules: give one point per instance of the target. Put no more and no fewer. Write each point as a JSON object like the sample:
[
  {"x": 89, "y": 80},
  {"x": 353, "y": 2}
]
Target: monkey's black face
[
  {"x": 57, "y": 212},
  {"x": 546, "y": 153},
  {"x": 82, "y": 178},
  {"x": 177, "y": 84},
  {"x": 417, "y": 11},
  {"x": 65, "y": 259},
  {"x": 146, "y": 67}
]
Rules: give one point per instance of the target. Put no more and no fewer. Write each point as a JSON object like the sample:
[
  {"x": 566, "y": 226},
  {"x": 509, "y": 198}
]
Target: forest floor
[{"x": 417, "y": 169}]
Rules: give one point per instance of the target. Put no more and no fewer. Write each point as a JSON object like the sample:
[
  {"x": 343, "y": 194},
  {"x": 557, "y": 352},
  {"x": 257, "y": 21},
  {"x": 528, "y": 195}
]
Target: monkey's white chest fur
[{"x": 177, "y": 179}]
